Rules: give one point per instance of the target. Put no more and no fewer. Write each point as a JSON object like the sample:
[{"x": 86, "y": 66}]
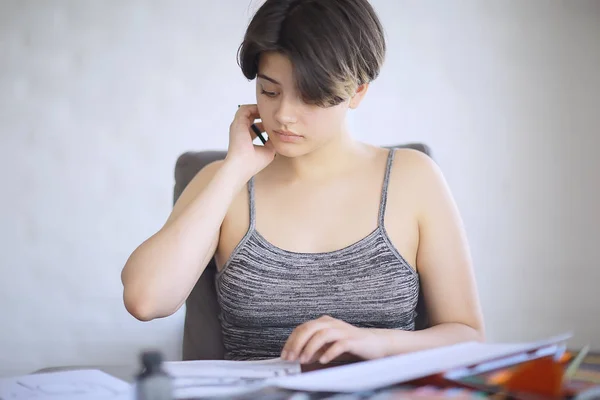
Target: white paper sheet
[
  {"x": 220, "y": 378},
  {"x": 65, "y": 385},
  {"x": 376, "y": 374}
]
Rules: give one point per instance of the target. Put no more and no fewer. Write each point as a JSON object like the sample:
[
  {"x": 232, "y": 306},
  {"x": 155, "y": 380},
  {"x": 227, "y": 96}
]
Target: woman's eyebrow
[{"x": 263, "y": 76}]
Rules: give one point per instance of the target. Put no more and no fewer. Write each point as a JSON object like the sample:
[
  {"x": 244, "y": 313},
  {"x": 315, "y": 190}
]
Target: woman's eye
[{"x": 268, "y": 94}]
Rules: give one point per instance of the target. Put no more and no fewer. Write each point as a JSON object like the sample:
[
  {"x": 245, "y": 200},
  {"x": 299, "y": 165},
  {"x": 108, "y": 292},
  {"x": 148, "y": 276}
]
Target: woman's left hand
[{"x": 327, "y": 338}]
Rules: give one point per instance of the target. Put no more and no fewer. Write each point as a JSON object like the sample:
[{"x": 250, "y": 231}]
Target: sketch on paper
[{"x": 64, "y": 385}]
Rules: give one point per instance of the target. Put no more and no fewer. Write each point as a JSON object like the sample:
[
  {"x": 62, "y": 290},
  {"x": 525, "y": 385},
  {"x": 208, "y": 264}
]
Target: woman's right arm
[{"x": 160, "y": 274}]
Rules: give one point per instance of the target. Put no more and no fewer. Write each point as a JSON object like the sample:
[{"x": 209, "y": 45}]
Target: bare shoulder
[
  {"x": 417, "y": 176},
  {"x": 418, "y": 170},
  {"x": 415, "y": 160}
]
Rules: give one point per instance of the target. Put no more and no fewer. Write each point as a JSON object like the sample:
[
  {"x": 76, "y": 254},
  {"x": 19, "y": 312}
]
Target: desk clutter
[{"x": 528, "y": 371}]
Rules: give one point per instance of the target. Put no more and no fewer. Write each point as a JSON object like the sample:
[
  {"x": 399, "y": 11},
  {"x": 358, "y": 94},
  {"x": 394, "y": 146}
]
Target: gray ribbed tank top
[{"x": 265, "y": 292}]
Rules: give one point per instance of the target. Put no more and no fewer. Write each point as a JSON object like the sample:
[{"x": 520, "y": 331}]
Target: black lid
[{"x": 152, "y": 360}]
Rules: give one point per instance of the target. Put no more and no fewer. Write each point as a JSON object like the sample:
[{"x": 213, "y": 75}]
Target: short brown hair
[{"x": 334, "y": 45}]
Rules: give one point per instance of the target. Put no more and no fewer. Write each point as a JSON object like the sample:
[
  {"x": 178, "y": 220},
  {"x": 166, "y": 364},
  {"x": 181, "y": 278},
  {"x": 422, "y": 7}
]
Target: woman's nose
[{"x": 286, "y": 113}]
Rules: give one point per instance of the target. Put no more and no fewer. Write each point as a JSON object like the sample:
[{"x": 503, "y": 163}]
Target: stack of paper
[
  {"x": 217, "y": 378},
  {"x": 197, "y": 379}
]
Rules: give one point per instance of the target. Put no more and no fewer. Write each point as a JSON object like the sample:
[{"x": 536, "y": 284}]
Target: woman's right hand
[{"x": 252, "y": 158}]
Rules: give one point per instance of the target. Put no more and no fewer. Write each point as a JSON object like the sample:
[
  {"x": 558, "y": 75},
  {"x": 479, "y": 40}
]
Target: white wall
[
  {"x": 97, "y": 99},
  {"x": 508, "y": 95}
]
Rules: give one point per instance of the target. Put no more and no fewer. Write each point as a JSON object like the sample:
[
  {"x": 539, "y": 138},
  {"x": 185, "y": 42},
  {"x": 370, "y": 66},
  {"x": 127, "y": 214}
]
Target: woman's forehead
[{"x": 276, "y": 66}]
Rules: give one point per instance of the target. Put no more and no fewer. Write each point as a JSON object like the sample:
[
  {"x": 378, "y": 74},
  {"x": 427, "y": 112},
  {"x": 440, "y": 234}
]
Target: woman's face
[{"x": 294, "y": 127}]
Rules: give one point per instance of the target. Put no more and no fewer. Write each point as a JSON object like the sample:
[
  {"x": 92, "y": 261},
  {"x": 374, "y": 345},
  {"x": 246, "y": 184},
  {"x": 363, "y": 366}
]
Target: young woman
[{"x": 321, "y": 242}]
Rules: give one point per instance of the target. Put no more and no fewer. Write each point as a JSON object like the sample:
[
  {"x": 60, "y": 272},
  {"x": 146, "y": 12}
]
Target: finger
[
  {"x": 305, "y": 332},
  {"x": 246, "y": 114},
  {"x": 317, "y": 341},
  {"x": 314, "y": 324},
  {"x": 295, "y": 343},
  {"x": 340, "y": 347},
  {"x": 247, "y": 109}
]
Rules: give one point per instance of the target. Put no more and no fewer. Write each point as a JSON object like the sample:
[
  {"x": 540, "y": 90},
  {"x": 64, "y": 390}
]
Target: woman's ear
[{"x": 359, "y": 95}]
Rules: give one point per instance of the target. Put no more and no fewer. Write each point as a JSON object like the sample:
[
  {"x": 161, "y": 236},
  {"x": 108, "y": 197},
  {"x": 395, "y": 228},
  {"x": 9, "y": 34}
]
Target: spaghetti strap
[
  {"x": 384, "y": 190},
  {"x": 251, "y": 203}
]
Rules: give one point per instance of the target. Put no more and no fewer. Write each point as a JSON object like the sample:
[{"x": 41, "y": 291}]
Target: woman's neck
[{"x": 331, "y": 160}]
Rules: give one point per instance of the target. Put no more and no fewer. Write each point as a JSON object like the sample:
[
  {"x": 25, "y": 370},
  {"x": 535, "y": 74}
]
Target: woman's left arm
[
  {"x": 447, "y": 280},
  {"x": 445, "y": 268}
]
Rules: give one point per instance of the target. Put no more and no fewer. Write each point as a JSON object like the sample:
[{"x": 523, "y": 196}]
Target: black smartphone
[{"x": 258, "y": 133}]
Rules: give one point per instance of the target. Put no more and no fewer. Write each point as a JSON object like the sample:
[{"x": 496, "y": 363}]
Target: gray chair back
[{"x": 202, "y": 338}]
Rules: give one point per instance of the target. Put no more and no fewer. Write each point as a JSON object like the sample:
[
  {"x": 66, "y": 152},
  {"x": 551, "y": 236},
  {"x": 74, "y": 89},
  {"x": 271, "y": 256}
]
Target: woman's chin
[{"x": 290, "y": 151}]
